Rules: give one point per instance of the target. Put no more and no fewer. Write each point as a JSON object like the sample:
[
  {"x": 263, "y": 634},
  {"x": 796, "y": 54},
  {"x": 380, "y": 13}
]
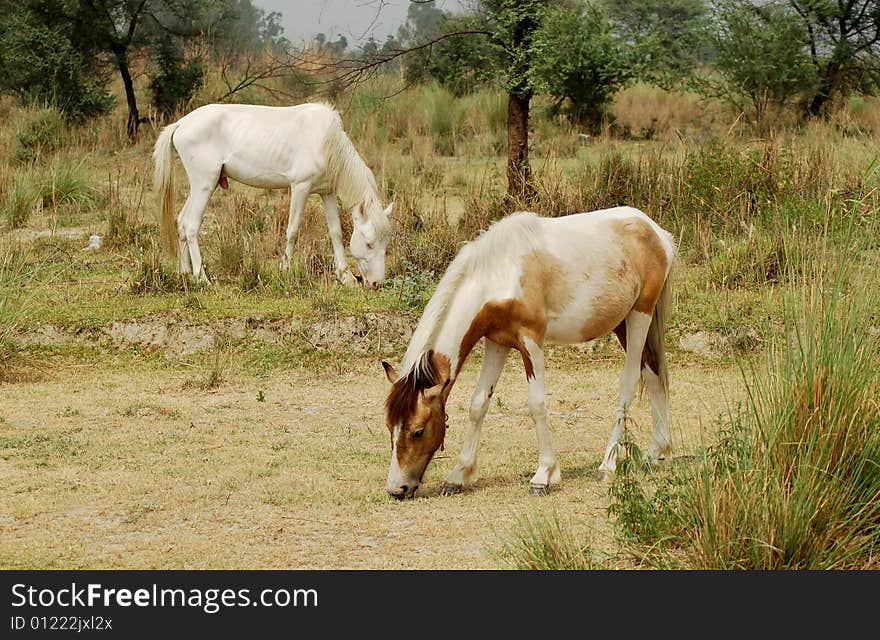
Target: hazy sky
[{"x": 357, "y": 20}]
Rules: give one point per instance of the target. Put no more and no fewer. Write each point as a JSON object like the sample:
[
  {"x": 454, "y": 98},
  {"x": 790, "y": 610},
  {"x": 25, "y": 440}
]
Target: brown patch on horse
[
  {"x": 545, "y": 292},
  {"x": 647, "y": 257}
]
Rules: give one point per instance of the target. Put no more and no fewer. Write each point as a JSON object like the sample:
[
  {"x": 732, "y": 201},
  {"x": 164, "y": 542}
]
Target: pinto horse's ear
[
  {"x": 440, "y": 391},
  {"x": 390, "y": 372}
]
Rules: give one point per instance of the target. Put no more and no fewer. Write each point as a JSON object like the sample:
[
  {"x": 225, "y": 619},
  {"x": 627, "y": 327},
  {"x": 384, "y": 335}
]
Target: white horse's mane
[
  {"x": 495, "y": 252},
  {"x": 351, "y": 177}
]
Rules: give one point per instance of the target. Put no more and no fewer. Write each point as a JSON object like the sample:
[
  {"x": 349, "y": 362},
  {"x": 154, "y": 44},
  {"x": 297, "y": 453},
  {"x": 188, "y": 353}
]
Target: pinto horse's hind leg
[
  {"x": 637, "y": 324},
  {"x": 660, "y": 415},
  {"x": 548, "y": 469},
  {"x": 462, "y": 473}
]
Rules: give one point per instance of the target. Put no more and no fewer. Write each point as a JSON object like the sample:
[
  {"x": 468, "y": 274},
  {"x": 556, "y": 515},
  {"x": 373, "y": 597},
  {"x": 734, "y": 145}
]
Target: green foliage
[
  {"x": 461, "y": 63},
  {"x": 668, "y": 38},
  {"x": 49, "y": 59},
  {"x": 760, "y": 59},
  {"x": 577, "y": 58},
  {"x": 175, "y": 82},
  {"x": 44, "y": 134},
  {"x": 791, "y": 482}
]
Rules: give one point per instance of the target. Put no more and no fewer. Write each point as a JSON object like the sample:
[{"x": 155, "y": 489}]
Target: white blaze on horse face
[{"x": 395, "y": 477}]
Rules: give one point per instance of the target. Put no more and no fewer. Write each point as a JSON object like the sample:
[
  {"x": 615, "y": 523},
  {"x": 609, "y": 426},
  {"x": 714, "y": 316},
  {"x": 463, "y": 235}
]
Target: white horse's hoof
[{"x": 605, "y": 475}]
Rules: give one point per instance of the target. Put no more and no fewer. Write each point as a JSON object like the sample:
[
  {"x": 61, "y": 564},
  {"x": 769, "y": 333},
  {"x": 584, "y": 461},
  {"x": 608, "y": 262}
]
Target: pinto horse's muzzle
[{"x": 403, "y": 491}]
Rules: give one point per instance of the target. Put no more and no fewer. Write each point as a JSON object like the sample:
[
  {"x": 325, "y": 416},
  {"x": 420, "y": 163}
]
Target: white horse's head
[{"x": 369, "y": 241}]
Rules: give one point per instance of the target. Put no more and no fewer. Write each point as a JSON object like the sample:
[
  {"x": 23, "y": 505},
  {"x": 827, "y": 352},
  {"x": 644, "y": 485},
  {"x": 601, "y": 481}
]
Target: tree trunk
[
  {"x": 134, "y": 119},
  {"x": 518, "y": 170},
  {"x": 826, "y": 88}
]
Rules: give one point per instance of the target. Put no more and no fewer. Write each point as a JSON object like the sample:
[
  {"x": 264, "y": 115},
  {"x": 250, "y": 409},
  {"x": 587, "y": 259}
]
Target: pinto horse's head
[
  {"x": 369, "y": 241},
  {"x": 416, "y": 418}
]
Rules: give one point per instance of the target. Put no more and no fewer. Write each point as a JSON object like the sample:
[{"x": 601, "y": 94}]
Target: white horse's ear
[
  {"x": 388, "y": 210},
  {"x": 390, "y": 372}
]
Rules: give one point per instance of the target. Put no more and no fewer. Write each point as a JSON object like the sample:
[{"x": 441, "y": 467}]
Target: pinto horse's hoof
[
  {"x": 539, "y": 489},
  {"x": 450, "y": 489}
]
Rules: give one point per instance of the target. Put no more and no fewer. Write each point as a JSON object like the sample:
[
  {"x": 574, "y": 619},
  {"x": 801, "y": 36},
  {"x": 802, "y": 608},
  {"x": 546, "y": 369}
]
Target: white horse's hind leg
[
  {"x": 548, "y": 470},
  {"x": 299, "y": 193},
  {"x": 660, "y": 415},
  {"x": 331, "y": 212},
  {"x": 637, "y": 324},
  {"x": 185, "y": 265},
  {"x": 191, "y": 222},
  {"x": 462, "y": 473}
]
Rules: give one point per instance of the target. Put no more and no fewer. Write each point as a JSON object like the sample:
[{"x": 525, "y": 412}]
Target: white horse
[
  {"x": 303, "y": 148},
  {"x": 525, "y": 280}
]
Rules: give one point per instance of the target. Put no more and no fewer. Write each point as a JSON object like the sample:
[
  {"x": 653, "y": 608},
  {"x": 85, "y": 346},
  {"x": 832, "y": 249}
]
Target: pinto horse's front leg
[
  {"x": 463, "y": 472},
  {"x": 548, "y": 469}
]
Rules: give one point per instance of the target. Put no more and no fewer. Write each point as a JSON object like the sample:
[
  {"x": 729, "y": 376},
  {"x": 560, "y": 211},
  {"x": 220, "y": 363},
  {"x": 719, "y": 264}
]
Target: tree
[
  {"x": 667, "y": 37},
  {"x": 84, "y": 39},
  {"x": 843, "y": 38},
  {"x": 579, "y": 60},
  {"x": 513, "y": 25},
  {"x": 47, "y": 60},
  {"x": 759, "y": 56}
]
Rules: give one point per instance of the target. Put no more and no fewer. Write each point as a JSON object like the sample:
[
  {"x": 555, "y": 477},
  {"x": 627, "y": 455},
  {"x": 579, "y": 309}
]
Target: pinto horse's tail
[
  {"x": 655, "y": 349},
  {"x": 164, "y": 184}
]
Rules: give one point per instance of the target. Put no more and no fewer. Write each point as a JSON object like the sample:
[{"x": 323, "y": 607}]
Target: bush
[{"x": 45, "y": 134}]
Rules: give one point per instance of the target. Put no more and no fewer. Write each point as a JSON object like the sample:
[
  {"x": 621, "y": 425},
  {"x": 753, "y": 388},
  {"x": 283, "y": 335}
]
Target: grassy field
[{"x": 147, "y": 421}]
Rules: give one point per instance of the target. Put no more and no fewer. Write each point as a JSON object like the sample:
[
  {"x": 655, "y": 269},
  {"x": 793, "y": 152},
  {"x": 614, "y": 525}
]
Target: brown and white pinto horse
[{"x": 528, "y": 280}]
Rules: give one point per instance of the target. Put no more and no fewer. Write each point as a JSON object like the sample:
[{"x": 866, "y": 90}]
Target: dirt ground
[{"x": 138, "y": 469}]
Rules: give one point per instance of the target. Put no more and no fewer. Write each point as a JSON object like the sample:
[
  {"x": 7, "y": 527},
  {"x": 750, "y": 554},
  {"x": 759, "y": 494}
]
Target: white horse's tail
[
  {"x": 163, "y": 183},
  {"x": 655, "y": 341}
]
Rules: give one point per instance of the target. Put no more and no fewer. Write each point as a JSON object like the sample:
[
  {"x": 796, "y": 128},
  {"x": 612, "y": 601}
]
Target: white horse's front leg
[
  {"x": 462, "y": 473},
  {"x": 637, "y": 324},
  {"x": 299, "y": 193},
  {"x": 331, "y": 212},
  {"x": 548, "y": 469}
]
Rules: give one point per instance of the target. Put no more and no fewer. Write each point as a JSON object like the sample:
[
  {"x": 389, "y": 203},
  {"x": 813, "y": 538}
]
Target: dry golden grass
[{"x": 139, "y": 469}]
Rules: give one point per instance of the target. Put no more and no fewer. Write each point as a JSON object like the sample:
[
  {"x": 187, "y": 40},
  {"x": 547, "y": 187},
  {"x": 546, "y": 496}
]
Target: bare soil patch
[{"x": 138, "y": 469}]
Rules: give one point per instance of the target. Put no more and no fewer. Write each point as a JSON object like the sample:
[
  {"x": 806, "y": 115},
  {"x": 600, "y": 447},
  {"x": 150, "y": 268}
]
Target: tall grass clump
[
  {"x": 540, "y": 542},
  {"x": 46, "y": 133},
  {"x": 19, "y": 269},
  {"x": 21, "y": 199},
  {"x": 65, "y": 187},
  {"x": 793, "y": 480}
]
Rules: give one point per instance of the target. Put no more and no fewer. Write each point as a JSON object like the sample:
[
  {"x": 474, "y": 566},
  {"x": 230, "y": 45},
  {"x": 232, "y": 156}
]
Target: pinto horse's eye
[
  {"x": 369, "y": 246},
  {"x": 417, "y": 433}
]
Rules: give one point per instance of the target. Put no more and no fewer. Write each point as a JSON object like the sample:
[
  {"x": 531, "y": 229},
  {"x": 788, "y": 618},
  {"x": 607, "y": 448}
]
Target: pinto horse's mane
[
  {"x": 404, "y": 394},
  {"x": 351, "y": 177},
  {"x": 495, "y": 251}
]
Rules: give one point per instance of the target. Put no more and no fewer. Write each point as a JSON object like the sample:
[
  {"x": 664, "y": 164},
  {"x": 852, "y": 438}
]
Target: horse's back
[{"x": 263, "y": 146}]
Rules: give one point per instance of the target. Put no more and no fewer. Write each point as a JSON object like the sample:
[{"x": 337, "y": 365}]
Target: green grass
[{"x": 792, "y": 480}]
